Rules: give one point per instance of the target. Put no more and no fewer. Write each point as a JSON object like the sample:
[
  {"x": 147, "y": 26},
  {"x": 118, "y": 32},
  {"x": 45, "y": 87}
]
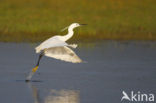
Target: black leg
[
  {"x": 35, "y": 68},
  {"x": 40, "y": 56}
]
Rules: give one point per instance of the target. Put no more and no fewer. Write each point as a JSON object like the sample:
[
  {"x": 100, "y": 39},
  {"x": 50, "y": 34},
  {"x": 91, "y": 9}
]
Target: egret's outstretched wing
[
  {"x": 51, "y": 42},
  {"x": 63, "y": 53}
]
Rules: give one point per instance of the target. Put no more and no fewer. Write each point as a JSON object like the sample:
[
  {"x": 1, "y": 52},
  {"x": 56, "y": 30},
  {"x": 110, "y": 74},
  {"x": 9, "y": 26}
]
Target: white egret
[{"x": 56, "y": 47}]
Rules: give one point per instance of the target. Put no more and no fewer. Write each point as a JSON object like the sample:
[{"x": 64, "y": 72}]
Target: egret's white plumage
[
  {"x": 56, "y": 47},
  {"x": 49, "y": 43},
  {"x": 55, "y": 44},
  {"x": 63, "y": 53}
]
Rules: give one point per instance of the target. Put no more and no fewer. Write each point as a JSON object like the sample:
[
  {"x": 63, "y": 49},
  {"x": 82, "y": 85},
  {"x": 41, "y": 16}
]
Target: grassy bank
[{"x": 36, "y": 20}]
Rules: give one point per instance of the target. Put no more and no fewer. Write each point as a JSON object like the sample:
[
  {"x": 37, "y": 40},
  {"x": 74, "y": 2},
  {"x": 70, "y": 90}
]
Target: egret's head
[{"x": 72, "y": 26}]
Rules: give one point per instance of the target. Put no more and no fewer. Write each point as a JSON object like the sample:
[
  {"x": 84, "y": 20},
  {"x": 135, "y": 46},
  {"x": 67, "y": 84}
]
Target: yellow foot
[{"x": 35, "y": 69}]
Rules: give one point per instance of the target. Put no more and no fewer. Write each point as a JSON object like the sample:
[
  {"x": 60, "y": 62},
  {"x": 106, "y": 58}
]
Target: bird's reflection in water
[
  {"x": 62, "y": 96},
  {"x": 35, "y": 93},
  {"x": 54, "y": 96}
]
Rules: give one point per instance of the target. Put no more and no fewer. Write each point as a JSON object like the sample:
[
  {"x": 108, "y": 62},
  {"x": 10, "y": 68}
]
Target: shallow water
[{"x": 111, "y": 68}]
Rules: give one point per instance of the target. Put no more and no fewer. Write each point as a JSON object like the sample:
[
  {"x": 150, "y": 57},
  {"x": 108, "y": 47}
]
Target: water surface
[{"x": 111, "y": 68}]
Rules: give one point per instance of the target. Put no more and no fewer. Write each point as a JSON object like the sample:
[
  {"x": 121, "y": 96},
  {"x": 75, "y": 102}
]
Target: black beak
[{"x": 82, "y": 24}]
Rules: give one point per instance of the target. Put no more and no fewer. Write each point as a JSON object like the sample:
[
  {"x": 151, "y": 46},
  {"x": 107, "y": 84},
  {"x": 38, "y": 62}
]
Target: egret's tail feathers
[
  {"x": 38, "y": 49},
  {"x": 72, "y": 45}
]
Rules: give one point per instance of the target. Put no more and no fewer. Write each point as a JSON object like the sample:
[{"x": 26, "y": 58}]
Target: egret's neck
[{"x": 69, "y": 35}]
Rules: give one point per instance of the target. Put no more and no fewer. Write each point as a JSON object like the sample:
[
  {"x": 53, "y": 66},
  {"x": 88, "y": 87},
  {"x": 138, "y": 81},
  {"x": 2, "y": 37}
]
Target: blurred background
[
  {"x": 118, "y": 46},
  {"x": 36, "y": 20}
]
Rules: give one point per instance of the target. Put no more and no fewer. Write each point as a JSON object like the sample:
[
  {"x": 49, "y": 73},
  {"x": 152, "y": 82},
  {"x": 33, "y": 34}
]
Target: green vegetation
[{"x": 36, "y": 20}]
